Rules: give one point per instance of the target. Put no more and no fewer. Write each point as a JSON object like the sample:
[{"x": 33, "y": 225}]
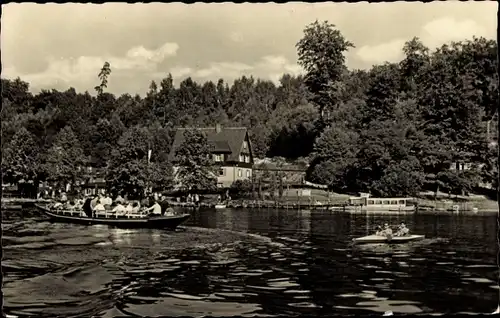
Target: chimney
[{"x": 218, "y": 128}]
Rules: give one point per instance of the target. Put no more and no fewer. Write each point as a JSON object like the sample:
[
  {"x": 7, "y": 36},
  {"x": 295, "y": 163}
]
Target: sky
[{"x": 65, "y": 45}]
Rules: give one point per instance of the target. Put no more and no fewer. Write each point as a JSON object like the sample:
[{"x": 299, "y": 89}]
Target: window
[
  {"x": 245, "y": 144},
  {"x": 378, "y": 202},
  {"x": 394, "y": 202},
  {"x": 247, "y": 159},
  {"x": 385, "y": 202},
  {"x": 370, "y": 201},
  {"x": 222, "y": 172},
  {"x": 242, "y": 158},
  {"x": 248, "y": 173},
  {"x": 401, "y": 201},
  {"x": 218, "y": 158},
  {"x": 240, "y": 173}
]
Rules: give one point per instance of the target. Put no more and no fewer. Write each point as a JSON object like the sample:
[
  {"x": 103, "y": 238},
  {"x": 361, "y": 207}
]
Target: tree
[
  {"x": 103, "y": 76},
  {"x": 130, "y": 171},
  {"x": 299, "y": 127},
  {"x": 241, "y": 188},
  {"x": 193, "y": 158},
  {"x": 21, "y": 158},
  {"x": 103, "y": 138},
  {"x": 321, "y": 54},
  {"x": 334, "y": 155},
  {"x": 65, "y": 158}
]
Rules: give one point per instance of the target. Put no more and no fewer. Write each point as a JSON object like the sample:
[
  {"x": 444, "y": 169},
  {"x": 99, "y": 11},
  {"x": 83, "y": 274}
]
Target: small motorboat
[
  {"x": 220, "y": 206},
  {"x": 377, "y": 239},
  {"x": 170, "y": 222}
]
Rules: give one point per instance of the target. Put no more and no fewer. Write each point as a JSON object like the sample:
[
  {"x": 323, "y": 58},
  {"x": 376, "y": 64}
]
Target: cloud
[
  {"x": 389, "y": 51},
  {"x": 81, "y": 71},
  {"x": 180, "y": 71},
  {"x": 229, "y": 69},
  {"x": 142, "y": 54},
  {"x": 441, "y": 31},
  {"x": 433, "y": 35},
  {"x": 271, "y": 67}
]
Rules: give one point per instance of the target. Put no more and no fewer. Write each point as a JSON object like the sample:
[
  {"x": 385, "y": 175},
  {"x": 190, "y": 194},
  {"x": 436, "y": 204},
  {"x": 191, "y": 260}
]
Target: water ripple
[{"x": 68, "y": 270}]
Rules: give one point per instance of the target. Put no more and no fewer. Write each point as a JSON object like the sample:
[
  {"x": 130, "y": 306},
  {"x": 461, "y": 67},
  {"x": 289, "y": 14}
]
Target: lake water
[{"x": 262, "y": 263}]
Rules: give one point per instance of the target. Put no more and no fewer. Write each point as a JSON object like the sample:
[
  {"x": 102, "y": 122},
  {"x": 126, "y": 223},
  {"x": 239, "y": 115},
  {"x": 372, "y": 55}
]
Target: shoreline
[
  {"x": 443, "y": 208},
  {"x": 425, "y": 206}
]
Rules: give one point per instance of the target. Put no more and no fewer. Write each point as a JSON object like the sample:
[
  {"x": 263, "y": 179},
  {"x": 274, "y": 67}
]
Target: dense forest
[{"x": 394, "y": 129}]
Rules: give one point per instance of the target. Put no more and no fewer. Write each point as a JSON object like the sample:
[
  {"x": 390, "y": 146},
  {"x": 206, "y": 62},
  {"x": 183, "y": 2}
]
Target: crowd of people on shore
[
  {"x": 386, "y": 230},
  {"x": 103, "y": 203}
]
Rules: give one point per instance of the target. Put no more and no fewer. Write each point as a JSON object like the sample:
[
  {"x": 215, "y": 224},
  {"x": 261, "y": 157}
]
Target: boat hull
[
  {"x": 378, "y": 239},
  {"x": 158, "y": 222}
]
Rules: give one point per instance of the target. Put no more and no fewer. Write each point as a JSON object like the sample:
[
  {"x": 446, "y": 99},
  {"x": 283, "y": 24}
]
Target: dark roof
[
  {"x": 220, "y": 146},
  {"x": 228, "y": 140}
]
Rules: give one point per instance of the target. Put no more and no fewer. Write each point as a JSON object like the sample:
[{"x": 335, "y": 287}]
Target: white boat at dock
[{"x": 372, "y": 205}]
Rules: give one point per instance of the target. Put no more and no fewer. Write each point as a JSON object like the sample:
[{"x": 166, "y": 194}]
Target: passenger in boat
[
  {"x": 169, "y": 211},
  {"x": 79, "y": 202},
  {"x": 164, "y": 204},
  {"x": 135, "y": 207},
  {"x": 119, "y": 199},
  {"x": 128, "y": 208},
  {"x": 402, "y": 230},
  {"x": 107, "y": 201},
  {"x": 155, "y": 209},
  {"x": 58, "y": 206},
  {"x": 118, "y": 208},
  {"x": 87, "y": 208},
  {"x": 94, "y": 201},
  {"x": 99, "y": 207},
  {"x": 69, "y": 205},
  {"x": 386, "y": 231}
]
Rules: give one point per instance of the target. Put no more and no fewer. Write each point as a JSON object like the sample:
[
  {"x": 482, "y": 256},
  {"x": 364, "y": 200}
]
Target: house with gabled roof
[{"x": 232, "y": 152}]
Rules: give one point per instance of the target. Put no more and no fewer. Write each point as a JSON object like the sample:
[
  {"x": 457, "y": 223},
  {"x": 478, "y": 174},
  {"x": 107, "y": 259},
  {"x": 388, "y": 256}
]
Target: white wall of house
[
  {"x": 226, "y": 175},
  {"x": 229, "y": 174}
]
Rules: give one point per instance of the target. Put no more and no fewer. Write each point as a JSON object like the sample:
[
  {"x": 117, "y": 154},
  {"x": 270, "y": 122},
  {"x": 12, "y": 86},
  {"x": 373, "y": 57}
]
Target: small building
[{"x": 232, "y": 152}]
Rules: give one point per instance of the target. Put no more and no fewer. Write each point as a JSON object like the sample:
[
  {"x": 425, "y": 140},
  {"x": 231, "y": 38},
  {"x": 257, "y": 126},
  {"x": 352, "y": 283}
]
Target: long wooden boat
[
  {"x": 377, "y": 239},
  {"x": 130, "y": 221}
]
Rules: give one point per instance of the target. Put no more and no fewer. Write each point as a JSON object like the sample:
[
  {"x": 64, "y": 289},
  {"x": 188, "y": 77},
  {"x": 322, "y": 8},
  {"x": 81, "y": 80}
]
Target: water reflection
[{"x": 290, "y": 262}]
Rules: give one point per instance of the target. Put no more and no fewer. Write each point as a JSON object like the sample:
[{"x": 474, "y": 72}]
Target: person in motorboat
[
  {"x": 386, "y": 231},
  {"x": 402, "y": 230}
]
